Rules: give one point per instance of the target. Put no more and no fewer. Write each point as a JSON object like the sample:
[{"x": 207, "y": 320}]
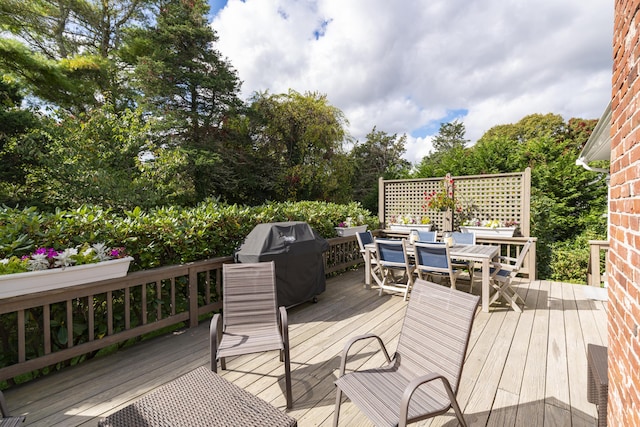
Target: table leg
[{"x": 485, "y": 285}]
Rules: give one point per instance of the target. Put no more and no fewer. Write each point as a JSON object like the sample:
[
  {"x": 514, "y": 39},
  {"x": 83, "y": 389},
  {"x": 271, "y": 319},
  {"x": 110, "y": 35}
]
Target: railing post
[
  {"x": 594, "y": 278},
  {"x": 533, "y": 267},
  {"x": 193, "y": 298}
]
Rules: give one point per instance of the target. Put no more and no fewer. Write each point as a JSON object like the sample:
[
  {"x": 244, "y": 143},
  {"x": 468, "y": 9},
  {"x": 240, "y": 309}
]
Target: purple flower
[{"x": 49, "y": 252}]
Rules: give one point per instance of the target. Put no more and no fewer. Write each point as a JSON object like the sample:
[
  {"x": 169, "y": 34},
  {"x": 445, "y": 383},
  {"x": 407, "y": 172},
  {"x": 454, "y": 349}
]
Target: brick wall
[{"x": 624, "y": 230}]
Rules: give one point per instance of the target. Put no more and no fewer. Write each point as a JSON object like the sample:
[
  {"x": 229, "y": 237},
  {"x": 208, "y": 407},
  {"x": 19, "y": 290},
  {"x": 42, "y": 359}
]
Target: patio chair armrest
[
  {"x": 284, "y": 325},
  {"x": 215, "y": 334},
  {"x": 347, "y": 347},
  {"x": 507, "y": 259},
  {"x": 413, "y": 386}
]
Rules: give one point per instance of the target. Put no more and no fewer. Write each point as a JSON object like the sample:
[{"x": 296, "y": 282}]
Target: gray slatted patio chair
[
  {"x": 7, "y": 420},
  {"x": 502, "y": 274},
  {"x": 250, "y": 322},
  {"x": 422, "y": 379}
]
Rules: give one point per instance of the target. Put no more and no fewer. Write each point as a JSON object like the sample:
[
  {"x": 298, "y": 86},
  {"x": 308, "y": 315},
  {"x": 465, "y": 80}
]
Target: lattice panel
[
  {"x": 504, "y": 197},
  {"x": 407, "y": 197},
  {"x": 493, "y": 197}
]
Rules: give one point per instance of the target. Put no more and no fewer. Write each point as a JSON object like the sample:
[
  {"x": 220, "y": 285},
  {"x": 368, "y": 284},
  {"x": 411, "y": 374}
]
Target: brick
[{"x": 623, "y": 309}]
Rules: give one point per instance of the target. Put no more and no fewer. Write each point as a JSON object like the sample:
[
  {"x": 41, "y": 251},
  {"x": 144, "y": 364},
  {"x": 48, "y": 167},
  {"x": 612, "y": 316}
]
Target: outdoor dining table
[{"x": 477, "y": 253}]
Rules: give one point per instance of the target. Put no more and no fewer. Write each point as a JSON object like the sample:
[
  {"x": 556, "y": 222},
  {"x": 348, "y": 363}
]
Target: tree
[
  {"x": 179, "y": 74},
  {"x": 302, "y": 135},
  {"x": 181, "y": 78},
  {"x": 70, "y": 46},
  {"x": 104, "y": 158},
  {"x": 449, "y": 153},
  {"x": 16, "y": 124},
  {"x": 450, "y": 136},
  {"x": 379, "y": 156}
]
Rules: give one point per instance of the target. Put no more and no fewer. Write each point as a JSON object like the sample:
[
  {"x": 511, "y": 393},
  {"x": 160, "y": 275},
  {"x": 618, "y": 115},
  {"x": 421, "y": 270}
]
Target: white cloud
[{"x": 401, "y": 66}]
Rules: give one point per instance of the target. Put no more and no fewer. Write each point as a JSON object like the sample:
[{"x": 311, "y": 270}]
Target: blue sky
[
  {"x": 216, "y": 5},
  {"x": 408, "y": 65}
]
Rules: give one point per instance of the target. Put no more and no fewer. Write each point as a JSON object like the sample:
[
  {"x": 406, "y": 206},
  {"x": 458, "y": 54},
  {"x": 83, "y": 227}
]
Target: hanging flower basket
[
  {"x": 12, "y": 285},
  {"x": 350, "y": 231}
]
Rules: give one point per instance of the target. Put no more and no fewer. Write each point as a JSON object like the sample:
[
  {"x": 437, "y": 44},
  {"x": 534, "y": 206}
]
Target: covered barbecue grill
[{"x": 296, "y": 250}]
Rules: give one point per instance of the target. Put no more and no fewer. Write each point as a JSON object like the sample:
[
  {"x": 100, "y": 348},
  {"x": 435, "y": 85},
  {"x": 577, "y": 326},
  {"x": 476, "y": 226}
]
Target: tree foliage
[
  {"x": 302, "y": 134},
  {"x": 379, "y": 156}
]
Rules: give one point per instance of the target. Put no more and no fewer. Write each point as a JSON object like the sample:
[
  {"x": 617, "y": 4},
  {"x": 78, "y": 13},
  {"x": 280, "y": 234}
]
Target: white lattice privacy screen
[{"x": 503, "y": 197}]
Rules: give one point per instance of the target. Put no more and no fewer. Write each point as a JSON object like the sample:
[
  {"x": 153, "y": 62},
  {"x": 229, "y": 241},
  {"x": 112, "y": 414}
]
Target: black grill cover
[{"x": 297, "y": 250}]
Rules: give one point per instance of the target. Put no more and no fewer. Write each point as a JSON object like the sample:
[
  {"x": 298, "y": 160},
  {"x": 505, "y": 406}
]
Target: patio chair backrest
[
  {"x": 521, "y": 257},
  {"x": 391, "y": 252},
  {"x": 432, "y": 255},
  {"x": 463, "y": 238},
  {"x": 435, "y": 331},
  {"x": 364, "y": 238},
  {"x": 249, "y": 294},
  {"x": 427, "y": 236}
]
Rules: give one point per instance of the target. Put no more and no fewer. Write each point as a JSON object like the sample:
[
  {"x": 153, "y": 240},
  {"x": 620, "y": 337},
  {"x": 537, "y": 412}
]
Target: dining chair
[
  {"x": 5, "y": 418},
  {"x": 427, "y": 236},
  {"x": 396, "y": 272},
  {"x": 366, "y": 238},
  {"x": 433, "y": 260},
  {"x": 462, "y": 238},
  {"x": 422, "y": 379},
  {"x": 250, "y": 321},
  {"x": 502, "y": 274}
]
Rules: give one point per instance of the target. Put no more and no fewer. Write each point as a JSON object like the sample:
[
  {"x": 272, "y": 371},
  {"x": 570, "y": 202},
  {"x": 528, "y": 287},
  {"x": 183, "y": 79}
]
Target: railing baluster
[
  {"x": 144, "y": 303},
  {"x": 173, "y": 296},
  {"x": 109, "y": 313},
  {"x": 158, "y": 300},
  {"x": 207, "y": 289},
  {"x": 69, "y": 323},
  {"x": 127, "y": 308},
  {"x": 46, "y": 327},
  {"x": 22, "y": 353},
  {"x": 91, "y": 321}
]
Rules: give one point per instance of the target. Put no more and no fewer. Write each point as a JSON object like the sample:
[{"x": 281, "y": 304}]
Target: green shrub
[
  {"x": 167, "y": 235},
  {"x": 570, "y": 259}
]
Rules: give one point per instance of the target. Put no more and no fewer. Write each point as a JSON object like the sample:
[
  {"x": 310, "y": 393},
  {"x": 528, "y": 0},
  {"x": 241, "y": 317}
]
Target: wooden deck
[{"x": 522, "y": 369}]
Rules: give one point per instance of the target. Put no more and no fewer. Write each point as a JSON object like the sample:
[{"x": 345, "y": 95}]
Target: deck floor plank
[{"x": 521, "y": 369}]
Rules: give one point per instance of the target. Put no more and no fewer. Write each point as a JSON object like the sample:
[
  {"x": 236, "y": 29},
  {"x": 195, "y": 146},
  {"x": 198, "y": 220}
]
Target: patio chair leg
[
  {"x": 287, "y": 377},
  {"x": 336, "y": 411},
  {"x": 458, "y": 412}
]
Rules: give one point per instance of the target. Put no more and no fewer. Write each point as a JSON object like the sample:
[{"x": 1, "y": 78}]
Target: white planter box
[
  {"x": 12, "y": 285},
  {"x": 350, "y": 231},
  {"x": 409, "y": 227},
  {"x": 489, "y": 231}
]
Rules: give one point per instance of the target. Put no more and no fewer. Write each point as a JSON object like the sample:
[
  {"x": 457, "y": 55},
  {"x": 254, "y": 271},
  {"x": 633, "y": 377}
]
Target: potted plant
[
  {"x": 48, "y": 268},
  {"x": 443, "y": 200},
  {"x": 408, "y": 222},
  {"x": 489, "y": 228},
  {"x": 349, "y": 227}
]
